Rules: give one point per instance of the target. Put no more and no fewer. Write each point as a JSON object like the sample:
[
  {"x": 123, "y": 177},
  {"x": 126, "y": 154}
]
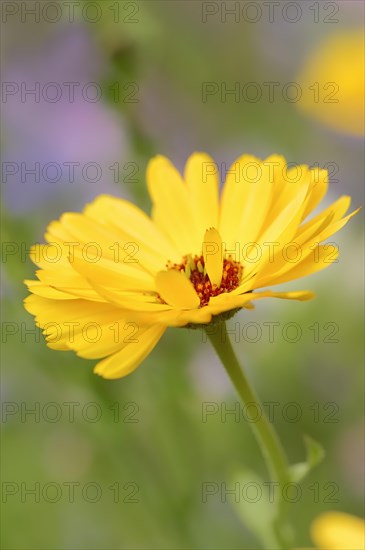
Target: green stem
[{"x": 263, "y": 430}]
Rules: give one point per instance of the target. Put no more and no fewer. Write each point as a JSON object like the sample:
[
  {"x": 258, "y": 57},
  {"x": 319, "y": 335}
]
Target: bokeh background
[{"x": 137, "y": 451}]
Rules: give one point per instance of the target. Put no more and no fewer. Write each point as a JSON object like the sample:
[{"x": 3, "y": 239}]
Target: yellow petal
[
  {"x": 115, "y": 244},
  {"x": 58, "y": 274},
  {"x": 304, "y": 243},
  {"x": 213, "y": 256},
  {"x": 176, "y": 290},
  {"x": 46, "y": 291},
  {"x": 304, "y": 235},
  {"x": 126, "y": 276},
  {"x": 235, "y": 194},
  {"x": 277, "y": 167},
  {"x": 338, "y": 208},
  {"x": 52, "y": 255},
  {"x": 201, "y": 176},
  {"x": 57, "y": 232},
  {"x": 68, "y": 281},
  {"x": 225, "y": 302},
  {"x": 331, "y": 229},
  {"x": 338, "y": 531},
  {"x": 319, "y": 258},
  {"x": 130, "y": 301},
  {"x": 88, "y": 328},
  {"x": 280, "y": 232},
  {"x": 255, "y": 205},
  {"x": 132, "y": 225},
  {"x": 130, "y": 356},
  {"x": 318, "y": 189},
  {"x": 172, "y": 211},
  {"x": 292, "y": 181},
  {"x": 173, "y": 317}
]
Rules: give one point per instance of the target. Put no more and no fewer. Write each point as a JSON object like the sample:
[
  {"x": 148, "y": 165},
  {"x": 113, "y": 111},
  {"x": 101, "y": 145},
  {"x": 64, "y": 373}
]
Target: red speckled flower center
[{"x": 193, "y": 268}]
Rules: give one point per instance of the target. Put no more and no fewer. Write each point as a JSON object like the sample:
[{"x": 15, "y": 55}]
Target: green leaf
[
  {"x": 256, "y": 508},
  {"x": 315, "y": 455}
]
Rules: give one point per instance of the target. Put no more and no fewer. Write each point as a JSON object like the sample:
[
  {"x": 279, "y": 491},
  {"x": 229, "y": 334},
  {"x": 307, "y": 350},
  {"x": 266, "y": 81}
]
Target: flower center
[{"x": 194, "y": 269}]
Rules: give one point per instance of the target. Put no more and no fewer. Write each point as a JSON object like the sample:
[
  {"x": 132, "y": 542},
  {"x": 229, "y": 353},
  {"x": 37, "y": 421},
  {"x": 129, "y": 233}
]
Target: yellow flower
[
  {"x": 112, "y": 279},
  {"x": 333, "y": 80},
  {"x": 338, "y": 531}
]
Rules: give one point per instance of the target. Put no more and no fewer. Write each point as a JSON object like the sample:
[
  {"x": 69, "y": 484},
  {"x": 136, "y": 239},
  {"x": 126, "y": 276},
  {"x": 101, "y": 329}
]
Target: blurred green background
[{"x": 137, "y": 451}]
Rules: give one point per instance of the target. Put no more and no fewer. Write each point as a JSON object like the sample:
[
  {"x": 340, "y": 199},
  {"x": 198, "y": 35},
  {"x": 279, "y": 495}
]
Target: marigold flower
[
  {"x": 333, "y": 77},
  {"x": 112, "y": 279},
  {"x": 338, "y": 531}
]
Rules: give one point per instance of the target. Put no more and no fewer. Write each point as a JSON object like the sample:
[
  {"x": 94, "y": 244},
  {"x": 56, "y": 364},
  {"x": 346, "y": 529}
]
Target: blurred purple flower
[{"x": 73, "y": 129}]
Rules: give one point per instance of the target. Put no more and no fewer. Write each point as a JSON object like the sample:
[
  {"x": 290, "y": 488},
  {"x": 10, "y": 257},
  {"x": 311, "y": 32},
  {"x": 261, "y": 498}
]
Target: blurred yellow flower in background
[
  {"x": 127, "y": 277},
  {"x": 333, "y": 79},
  {"x": 338, "y": 531}
]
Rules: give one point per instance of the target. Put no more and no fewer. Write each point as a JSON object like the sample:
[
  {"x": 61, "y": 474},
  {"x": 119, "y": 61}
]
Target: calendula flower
[
  {"x": 338, "y": 531},
  {"x": 112, "y": 279},
  {"x": 333, "y": 80}
]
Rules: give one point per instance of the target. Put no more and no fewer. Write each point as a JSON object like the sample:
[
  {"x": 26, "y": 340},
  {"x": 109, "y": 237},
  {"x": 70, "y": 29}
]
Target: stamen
[
  {"x": 194, "y": 269},
  {"x": 191, "y": 263}
]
